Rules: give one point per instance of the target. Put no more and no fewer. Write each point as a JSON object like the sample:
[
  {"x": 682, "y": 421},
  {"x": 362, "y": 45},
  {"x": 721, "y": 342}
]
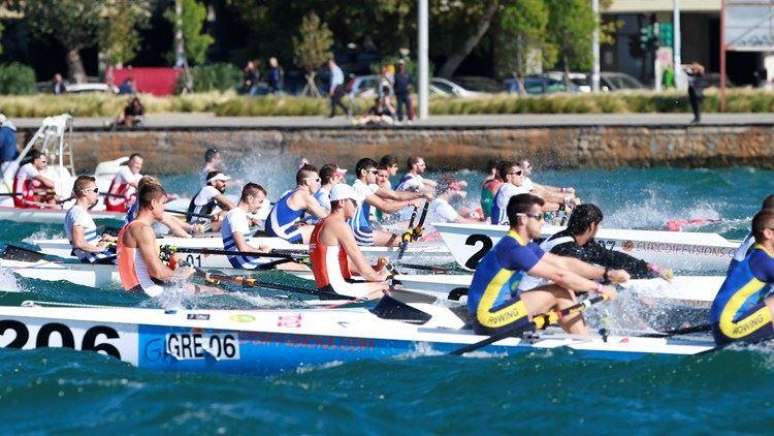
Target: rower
[
  {"x": 212, "y": 162},
  {"x": 743, "y": 309},
  {"x": 513, "y": 177},
  {"x": 390, "y": 164},
  {"x": 124, "y": 185},
  {"x": 335, "y": 254},
  {"x": 285, "y": 217},
  {"x": 176, "y": 226},
  {"x": 550, "y": 193},
  {"x": 33, "y": 189},
  {"x": 236, "y": 227},
  {"x": 493, "y": 302},
  {"x": 577, "y": 241},
  {"x": 370, "y": 194},
  {"x": 139, "y": 265},
  {"x": 413, "y": 180},
  {"x": 208, "y": 198},
  {"x": 489, "y": 187},
  {"x": 80, "y": 229},
  {"x": 330, "y": 176},
  {"x": 749, "y": 240},
  {"x": 441, "y": 211}
]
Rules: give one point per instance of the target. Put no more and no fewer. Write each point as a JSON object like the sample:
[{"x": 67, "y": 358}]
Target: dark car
[{"x": 538, "y": 85}]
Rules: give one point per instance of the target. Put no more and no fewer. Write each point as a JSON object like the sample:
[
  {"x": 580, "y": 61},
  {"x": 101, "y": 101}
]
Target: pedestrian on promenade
[
  {"x": 336, "y": 90},
  {"x": 8, "y": 149},
  {"x": 250, "y": 79},
  {"x": 276, "y": 76},
  {"x": 58, "y": 85},
  {"x": 402, "y": 87},
  {"x": 696, "y": 83}
]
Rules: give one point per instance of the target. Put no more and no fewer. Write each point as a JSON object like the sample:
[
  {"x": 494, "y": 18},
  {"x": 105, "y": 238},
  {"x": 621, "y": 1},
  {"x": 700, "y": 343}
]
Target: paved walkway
[{"x": 210, "y": 121}]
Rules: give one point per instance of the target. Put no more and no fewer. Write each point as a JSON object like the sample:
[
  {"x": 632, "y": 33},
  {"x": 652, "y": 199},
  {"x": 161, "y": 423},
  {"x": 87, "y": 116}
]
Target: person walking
[
  {"x": 402, "y": 88},
  {"x": 276, "y": 76},
  {"x": 336, "y": 90},
  {"x": 695, "y": 73}
]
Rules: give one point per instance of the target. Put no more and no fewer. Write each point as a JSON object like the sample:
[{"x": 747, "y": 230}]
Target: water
[{"x": 61, "y": 391}]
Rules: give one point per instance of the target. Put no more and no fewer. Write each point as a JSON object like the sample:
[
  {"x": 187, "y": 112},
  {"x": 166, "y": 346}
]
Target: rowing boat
[
  {"x": 431, "y": 253},
  {"x": 694, "y": 291},
  {"x": 684, "y": 251},
  {"x": 274, "y": 341}
]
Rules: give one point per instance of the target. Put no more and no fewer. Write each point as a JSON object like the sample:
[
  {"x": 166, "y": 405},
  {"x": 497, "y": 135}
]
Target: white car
[{"x": 447, "y": 88}]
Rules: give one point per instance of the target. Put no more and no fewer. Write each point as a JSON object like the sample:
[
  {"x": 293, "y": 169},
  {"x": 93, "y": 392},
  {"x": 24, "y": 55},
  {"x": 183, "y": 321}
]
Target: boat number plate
[{"x": 198, "y": 346}]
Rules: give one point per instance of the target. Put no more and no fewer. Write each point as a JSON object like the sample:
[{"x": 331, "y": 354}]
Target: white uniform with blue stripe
[
  {"x": 323, "y": 197},
  {"x": 78, "y": 216},
  {"x": 500, "y": 203},
  {"x": 412, "y": 183},
  {"x": 236, "y": 221},
  {"x": 361, "y": 223}
]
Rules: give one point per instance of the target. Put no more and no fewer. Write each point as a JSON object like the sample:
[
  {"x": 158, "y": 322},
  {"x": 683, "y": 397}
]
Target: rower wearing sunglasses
[
  {"x": 80, "y": 229},
  {"x": 285, "y": 217},
  {"x": 494, "y": 302},
  {"x": 512, "y": 176}
]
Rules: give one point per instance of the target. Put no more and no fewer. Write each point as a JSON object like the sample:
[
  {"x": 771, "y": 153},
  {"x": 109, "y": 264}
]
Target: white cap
[
  {"x": 342, "y": 191},
  {"x": 219, "y": 176},
  {"x": 3, "y": 119}
]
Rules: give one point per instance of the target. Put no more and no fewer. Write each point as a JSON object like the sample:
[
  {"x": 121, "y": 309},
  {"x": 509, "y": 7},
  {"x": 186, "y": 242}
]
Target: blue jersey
[
  {"x": 745, "y": 287},
  {"x": 283, "y": 220},
  {"x": 323, "y": 197},
  {"x": 498, "y": 274}
]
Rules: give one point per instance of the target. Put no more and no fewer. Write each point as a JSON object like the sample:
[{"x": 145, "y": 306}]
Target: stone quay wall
[{"x": 180, "y": 150}]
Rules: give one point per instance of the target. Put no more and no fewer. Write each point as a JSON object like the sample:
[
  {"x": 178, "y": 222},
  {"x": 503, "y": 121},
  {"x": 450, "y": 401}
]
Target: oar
[
  {"x": 538, "y": 322},
  {"x": 406, "y": 237},
  {"x": 180, "y": 212},
  {"x": 21, "y": 254},
  {"x": 681, "y": 331},
  {"x": 436, "y": 269},
  {"x": 413, "y": 233},
  {"x": 214, "y": 251}
]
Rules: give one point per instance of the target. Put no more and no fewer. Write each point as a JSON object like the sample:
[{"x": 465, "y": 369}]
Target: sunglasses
[
  {"x": 538, "y": 217},
  {"x": 373, "y": 171},
  {"x": 94, "y": 190},
  {"x": 515, "y": 173}
]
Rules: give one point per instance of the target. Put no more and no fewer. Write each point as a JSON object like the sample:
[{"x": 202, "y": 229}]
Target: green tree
[
  {"x": 523, "y": 31},
  {"x": 571, "y": 24},
  {"x": 74, "y": 23},
  {"x": 482, "y": 13},
  {"x": 193, "y": 15},
  {"x": 119, "y": 35},
  {"x": 312, "y": 47}
]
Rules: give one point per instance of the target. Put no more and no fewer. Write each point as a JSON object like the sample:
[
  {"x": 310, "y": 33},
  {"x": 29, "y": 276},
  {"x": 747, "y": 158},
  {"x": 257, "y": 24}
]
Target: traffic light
[{"x": 649, "y": 37}]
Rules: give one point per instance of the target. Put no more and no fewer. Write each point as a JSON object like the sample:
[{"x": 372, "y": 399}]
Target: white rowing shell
[{"x": 684, "y": 251}]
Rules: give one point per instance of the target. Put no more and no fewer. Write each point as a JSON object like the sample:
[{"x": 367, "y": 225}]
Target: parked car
[
  {"x": 73, "y": 88},
  {"x": 479, "y": 83},
  {"x": 447, "y": 88},
  {"x": 615, "y": 81},
  {"x": 538, "y": 85}
]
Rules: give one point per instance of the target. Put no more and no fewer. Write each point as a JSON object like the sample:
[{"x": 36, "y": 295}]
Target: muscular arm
[
  {"x": 223, "y": 202},
  {"x": 593, "y": 252},
  {"x": 579, "y": 267},
  {"x": 398, "y": 195},
  {"x": 176, "y": 225},
  {"x": 387, "y": 206},
  {"x": 146, "y": 244},
  {"x": 359, "y": 262},
  {"x": 48, "y": 183},
  {"x": 548, "y": 268},
  {"x": 79, "y": 241},
  {"x": 313, "y": 207}
]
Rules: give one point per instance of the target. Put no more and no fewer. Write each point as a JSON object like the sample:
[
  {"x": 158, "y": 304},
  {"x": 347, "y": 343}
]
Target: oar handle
[{"x": 196, "y": 215}]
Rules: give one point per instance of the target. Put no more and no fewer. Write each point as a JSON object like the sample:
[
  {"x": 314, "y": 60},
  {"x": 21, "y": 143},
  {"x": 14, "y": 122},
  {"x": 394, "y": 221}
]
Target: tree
[
  {"x": 523, "y": 24},
  {"x": 571, "y": 24},
  {"x": 312, "y": 47},
  {"x": 119, "y": 36},
  {"x": 471, "y": 40},
  {"x": 193, "y": 15},
  {"x": 74, "y": 23}
]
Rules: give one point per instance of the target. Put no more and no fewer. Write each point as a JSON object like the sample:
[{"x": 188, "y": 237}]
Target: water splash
[{"x": 8, "y": 282}]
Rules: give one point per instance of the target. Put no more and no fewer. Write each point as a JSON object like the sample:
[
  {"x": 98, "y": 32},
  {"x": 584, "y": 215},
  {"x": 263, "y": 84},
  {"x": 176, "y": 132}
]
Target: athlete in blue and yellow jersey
[
  {"x": 749, "y": 240},
  {"x": 494, "y": 301},
  {"x": 744, "y": 306}
]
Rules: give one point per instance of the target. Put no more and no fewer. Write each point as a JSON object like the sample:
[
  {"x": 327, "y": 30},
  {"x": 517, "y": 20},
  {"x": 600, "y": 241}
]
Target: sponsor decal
[
  {"x": 628, "y": 246},
  {"x": 199, "y": 316},
  {"x": 242, "y": 317}
]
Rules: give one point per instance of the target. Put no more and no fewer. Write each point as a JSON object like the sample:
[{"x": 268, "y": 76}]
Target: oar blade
[{"x": 21, "y": 254}]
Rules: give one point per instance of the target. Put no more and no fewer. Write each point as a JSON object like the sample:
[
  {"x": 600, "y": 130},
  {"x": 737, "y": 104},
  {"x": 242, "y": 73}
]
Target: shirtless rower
[
  {"x": 236, "y": 227},
  {"x": 335, "y": 254},
  {"x": 33, "y": 189},
  {"x": 205, "y": 201},
  {"x": 285, "y": 217},
  {"x": 124, "y": 185},
  {"x": 139, "y": 265},
  {"x": 493, "y": 302},
  {"x": 80, "y": 228},
  {"x": 749, "y": 241},
  {"x": 743, "y": 308},
  {"x": 370, "y": 194},
  {"x": 176, "y": 226}
]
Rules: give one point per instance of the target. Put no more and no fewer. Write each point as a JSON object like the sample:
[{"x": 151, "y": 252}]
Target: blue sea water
[{"x": 54, "y": 391}]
